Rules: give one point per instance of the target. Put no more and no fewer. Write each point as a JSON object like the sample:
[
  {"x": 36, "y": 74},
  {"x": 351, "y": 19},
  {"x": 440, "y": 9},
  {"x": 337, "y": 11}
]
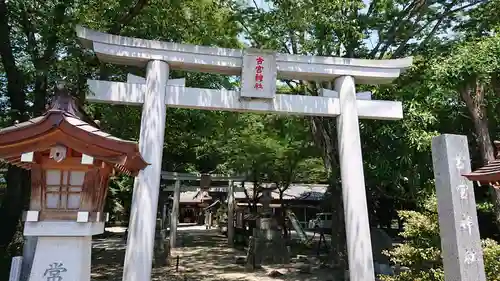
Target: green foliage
[
  {"x": 491, "y": 252},
  {"x": 470, "y": 61},
  {"x": 421, "y": 250},
  {"x": 119, "y": 198},
  {"x": 274, "y": 149},
  {"x": 221, "y": 213},
  {"x": 398, "y": 167}
]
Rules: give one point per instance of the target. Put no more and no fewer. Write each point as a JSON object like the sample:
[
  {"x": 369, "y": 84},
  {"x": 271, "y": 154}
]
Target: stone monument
[{"x": 458, "y": 226}]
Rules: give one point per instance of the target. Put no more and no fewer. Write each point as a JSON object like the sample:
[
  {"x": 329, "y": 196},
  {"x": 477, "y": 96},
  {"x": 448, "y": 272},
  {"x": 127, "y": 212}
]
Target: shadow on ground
[{"x": 203, "y": 255}]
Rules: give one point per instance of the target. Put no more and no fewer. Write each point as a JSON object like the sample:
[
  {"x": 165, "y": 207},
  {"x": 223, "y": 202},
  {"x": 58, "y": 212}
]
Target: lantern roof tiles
[{"x": 65, "y": 123}]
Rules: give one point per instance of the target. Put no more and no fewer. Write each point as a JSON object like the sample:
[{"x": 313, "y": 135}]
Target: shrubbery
[{"x": 421, "y": 251}]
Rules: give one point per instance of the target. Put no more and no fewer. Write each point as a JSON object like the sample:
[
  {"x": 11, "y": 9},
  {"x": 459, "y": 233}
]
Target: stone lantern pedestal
[{"x": 63, "y": 249}]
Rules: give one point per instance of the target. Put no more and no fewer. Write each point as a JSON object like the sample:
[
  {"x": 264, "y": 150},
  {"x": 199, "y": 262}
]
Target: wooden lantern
[{"x": 71, "y": 161}]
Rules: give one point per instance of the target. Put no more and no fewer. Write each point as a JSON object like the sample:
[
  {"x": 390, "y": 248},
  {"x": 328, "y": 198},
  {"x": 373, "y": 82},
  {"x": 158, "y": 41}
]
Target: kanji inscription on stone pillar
[{"x": 460, "y": 241}]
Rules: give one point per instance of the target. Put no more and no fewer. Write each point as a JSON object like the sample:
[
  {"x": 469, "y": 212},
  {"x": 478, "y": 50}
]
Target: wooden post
[
  {"x": 460, "y": 241},
  {"x": 230, "y": 215},
  {"x": 175, "y": 214}
]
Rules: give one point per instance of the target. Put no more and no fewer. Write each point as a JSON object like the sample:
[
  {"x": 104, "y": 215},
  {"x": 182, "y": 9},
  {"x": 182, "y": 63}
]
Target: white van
[{"x": 322, "y": 220}]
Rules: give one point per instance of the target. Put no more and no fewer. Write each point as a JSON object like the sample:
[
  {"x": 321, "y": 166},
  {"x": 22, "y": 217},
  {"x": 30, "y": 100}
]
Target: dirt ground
[{"x": 203, "y": 256}]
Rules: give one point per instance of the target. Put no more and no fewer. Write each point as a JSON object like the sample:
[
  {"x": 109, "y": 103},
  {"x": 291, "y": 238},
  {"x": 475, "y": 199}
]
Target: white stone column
[
  {"x": 174, "y": 217},
  {"x": 141, "y": 230},
  {"x": 63, "y": 249},
  {"x": 359, "y": 248},
  {"x": 230, "y": 214},
  {"x": 75, "y": 266},
  {"x": 458, "y": 226},
  {"x": 15, "y": 268}
]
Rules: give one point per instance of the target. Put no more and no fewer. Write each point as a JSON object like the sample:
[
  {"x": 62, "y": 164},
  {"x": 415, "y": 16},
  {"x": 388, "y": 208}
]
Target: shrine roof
[
  {"x": 490, "y": 173},
  {"x": 64, "y": 123}
]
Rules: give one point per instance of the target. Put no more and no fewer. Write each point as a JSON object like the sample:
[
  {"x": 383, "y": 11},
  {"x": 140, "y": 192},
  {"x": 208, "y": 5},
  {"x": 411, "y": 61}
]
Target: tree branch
[
  {"x": 43, "y": 64},
  {"x": 413, "y": 32},
  {"x": 371, "y": 8},
  {"x": 393, "y": 30},
  {"x": 29, "y": 32},
  {"x": 440, "y": 18},
  {"x": 124, "y": 20},
  {"x": 412, "y": 10},
  {"x": 15, "y": 79},
  {"x": 117, "y": 27}
]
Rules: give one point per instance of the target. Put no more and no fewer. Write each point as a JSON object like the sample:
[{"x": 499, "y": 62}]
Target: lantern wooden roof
[
  {"x": 488, "y": 174},
  {"x": 63, "y": 124}
]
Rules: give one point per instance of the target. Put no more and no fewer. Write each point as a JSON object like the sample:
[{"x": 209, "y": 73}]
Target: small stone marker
[
  {"x": 460, "y": 240},
  {"x": 15, "y": 268}
]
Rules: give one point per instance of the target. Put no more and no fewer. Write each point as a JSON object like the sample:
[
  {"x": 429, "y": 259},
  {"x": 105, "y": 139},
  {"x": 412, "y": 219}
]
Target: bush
[
  {"x": 13, "y": 249},
  {"x": 421, "y": 251},
  {"x": 491, "y": 257}
]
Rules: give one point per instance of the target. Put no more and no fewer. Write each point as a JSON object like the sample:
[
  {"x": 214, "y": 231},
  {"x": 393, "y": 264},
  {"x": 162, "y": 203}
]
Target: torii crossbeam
[{"x": 259, "y": 70}]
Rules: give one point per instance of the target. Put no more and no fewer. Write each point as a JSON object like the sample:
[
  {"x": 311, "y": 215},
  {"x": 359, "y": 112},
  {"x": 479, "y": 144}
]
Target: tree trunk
[
  {"x": 338, "y": 252},
  {"x": 324, "y": 133},
  {"x": 13, "y": 203},
  {"x": 18, "y": 180},
  {"x": 283, "y": 215},
  {"x": 473, "y": 96}
]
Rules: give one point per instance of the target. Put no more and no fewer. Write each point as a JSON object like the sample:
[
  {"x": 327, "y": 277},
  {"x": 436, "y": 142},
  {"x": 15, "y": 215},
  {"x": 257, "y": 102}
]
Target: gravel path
[{"x": 203, "y": 256}]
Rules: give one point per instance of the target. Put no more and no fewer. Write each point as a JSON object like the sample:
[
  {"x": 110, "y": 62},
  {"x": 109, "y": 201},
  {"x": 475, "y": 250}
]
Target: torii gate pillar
[
  {"x": 357, "y": 226},
  {"x": 140, "y": 242}
]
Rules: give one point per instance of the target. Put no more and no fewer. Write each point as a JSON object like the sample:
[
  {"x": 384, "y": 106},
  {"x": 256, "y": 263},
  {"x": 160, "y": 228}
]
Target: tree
[
  {"x": 381, "y": 29},
  {"x": 293, "y": 158},
  {"x": 472, "y": 71},
  {"x": 39, "y": 46},
  {"x": 273, "y": 149}
]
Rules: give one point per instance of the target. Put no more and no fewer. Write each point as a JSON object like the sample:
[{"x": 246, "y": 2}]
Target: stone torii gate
[
  {"x": 178, "y": 177},
  {"x": 259, "y": 70}
]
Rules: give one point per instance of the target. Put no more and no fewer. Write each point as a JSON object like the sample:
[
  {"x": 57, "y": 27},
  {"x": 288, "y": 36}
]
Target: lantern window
[{"x": 63, "y": 189}]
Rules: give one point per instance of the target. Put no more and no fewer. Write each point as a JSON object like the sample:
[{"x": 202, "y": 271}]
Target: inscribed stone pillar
[
  {"x": 141, "y": 231},
  {"x": 230, "y": 215},
  {"x": 359, "y": 248},
  {"x": 458, "y": 226},
  {"x": 174, "y": 218}
]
